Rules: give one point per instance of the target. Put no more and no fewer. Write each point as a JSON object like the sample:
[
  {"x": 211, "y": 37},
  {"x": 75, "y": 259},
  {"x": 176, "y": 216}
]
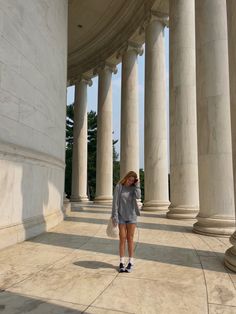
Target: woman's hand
[{"x": 114, "y": 222}]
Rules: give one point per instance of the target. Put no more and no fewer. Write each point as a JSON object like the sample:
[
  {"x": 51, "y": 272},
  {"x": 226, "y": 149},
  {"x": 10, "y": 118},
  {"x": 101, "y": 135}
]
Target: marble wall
[{"x": 33, "y": 64}]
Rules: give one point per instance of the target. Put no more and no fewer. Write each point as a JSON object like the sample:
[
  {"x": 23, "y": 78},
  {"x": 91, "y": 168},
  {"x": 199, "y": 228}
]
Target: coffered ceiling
[{"x": 98, "y": 28}]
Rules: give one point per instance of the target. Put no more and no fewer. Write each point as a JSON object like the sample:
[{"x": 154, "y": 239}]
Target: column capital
[
  {"x": 155, "y": 16},
  {"x": 130, "y": 46},
  {"x": 105, "y": 65},
  {"x": 85, "y": 79}
]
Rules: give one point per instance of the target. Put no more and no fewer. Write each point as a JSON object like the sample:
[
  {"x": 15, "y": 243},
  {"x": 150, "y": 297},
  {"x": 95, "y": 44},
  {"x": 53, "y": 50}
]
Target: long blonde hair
[{"x": 128, "y": 175}]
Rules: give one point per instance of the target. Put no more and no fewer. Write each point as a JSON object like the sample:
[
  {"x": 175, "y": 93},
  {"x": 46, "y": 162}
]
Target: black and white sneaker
[
  {"x": 121, "y": 268},
  {"x": 129, "y": 268}
]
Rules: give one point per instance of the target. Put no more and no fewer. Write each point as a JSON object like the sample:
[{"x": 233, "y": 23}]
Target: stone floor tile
[
  {"x": 221, "y": 309},
  {"x": 88, "y": 263},
  {"x": 23, "y": 261},
  {"x": 59, "y": 240},
  {"x": 97, "y": 310},
  {"x": 163, "y": 237},
  {"x": 198, "y": 243},
  {"x": 11, "y": 303},
  {"x": 73, "y": 269},
  {"x": 192, "y": 275},
  {"x": 169, "y": 254},
  {"x": 152, "y": 296},
  {"x": 216, "y": 244},
  {"x": 225, "y": 241},
  {"x": 65, "y": 283},
  {"x": 220, "y": 287},
  {"x": 102, "y": 245}
]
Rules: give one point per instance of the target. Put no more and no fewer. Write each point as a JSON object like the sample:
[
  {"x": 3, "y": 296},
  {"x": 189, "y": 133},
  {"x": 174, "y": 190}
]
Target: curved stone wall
[{"x": 33, "y": 63}]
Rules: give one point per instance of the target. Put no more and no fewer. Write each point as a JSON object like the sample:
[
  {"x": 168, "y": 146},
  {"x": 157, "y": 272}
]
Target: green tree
[
  {"x": 69, "y": 147},
  {"x": 116, "y": 165},
  {"x": 92, "y": 153},
  {"x": 92, "y": 147},
  {"x": 141, "y": 178}
]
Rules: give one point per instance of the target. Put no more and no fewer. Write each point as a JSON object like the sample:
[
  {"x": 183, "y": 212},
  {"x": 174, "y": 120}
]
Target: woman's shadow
[{"x": 94, "y": 264}]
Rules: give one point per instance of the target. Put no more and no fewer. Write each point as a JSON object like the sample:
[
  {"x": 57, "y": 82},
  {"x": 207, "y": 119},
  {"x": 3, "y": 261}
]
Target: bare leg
[
  {"x": 123, "y": 235},
  {"x": 130, "y": 238}
]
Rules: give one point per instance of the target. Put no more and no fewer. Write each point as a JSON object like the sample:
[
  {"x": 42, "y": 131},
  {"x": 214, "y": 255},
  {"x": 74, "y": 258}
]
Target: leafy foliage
[
  {"x": 92, "y": 146},
  {"x": 92, "y": 153},
  {"x": 69, "y": 147},
  {"x": 141, "y": 178},
  {"x": 116, "y": 165}
]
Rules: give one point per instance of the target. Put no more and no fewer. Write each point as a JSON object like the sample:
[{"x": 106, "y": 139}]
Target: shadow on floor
[
  {"x": 12, "y": 303},
  {"x": 94, "y": 264},
  {"x": 142, "y": 225},
  {"x": 145, "y": 251}
]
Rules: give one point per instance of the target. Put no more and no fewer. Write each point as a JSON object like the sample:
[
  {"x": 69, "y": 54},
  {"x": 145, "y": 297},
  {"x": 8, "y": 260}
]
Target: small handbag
[{"x": 112, "y": 231}]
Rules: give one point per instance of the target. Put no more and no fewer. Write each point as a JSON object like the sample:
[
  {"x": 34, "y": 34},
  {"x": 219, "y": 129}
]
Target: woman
[{"x": 124, "y": 213}]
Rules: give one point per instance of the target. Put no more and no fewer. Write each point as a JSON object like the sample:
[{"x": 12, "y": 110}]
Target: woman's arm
[
  {"x": 115, "y": 204},
  {"x": 137, "y": 191}
]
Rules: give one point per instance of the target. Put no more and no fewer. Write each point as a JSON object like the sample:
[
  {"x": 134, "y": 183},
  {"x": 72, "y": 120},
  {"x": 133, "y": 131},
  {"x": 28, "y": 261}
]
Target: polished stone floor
[{"x": 73, "y": 269}]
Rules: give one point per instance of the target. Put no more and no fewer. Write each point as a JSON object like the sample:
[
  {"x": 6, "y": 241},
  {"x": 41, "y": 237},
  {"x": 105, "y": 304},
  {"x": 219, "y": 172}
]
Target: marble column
[
  {"x": 104, "y": 164},
  {"x": 129, "y": 152},
  {"x": 155, "y": 127},
  {"x": 184, "y": 195},
  {"x": 79, "y": 158},
  {"x": 230, "y": 254},
  {"x": 216, "y": 191}
]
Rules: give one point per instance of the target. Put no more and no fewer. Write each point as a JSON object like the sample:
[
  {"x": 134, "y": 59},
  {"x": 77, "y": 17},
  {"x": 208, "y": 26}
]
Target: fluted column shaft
[
  {"x": 183, "y": 122},
  {"x": 129, "y": 154},
  {"x": 216, "y": 195},
  {"x": 230, "y": 255},
  {"x": 155, "y": 130},
  {"x": 104, "y": 164},
  {"x": 79, "y": 158}
]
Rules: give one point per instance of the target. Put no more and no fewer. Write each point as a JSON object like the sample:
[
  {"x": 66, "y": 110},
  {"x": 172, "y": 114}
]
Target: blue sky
[{"x": 116, "y": 90}]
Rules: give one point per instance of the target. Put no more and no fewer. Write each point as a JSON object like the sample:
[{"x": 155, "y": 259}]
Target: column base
[
  {"x": 66, "y": 206},
  {"x": 79, "y": 199},
  {"x": 216, "y": 227},
  {"x": 103, "y": 200},
  {"x": 182, "y": 212},
  {"x": 155, "y": 205},
  {"x": 230, "y": 254}
]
